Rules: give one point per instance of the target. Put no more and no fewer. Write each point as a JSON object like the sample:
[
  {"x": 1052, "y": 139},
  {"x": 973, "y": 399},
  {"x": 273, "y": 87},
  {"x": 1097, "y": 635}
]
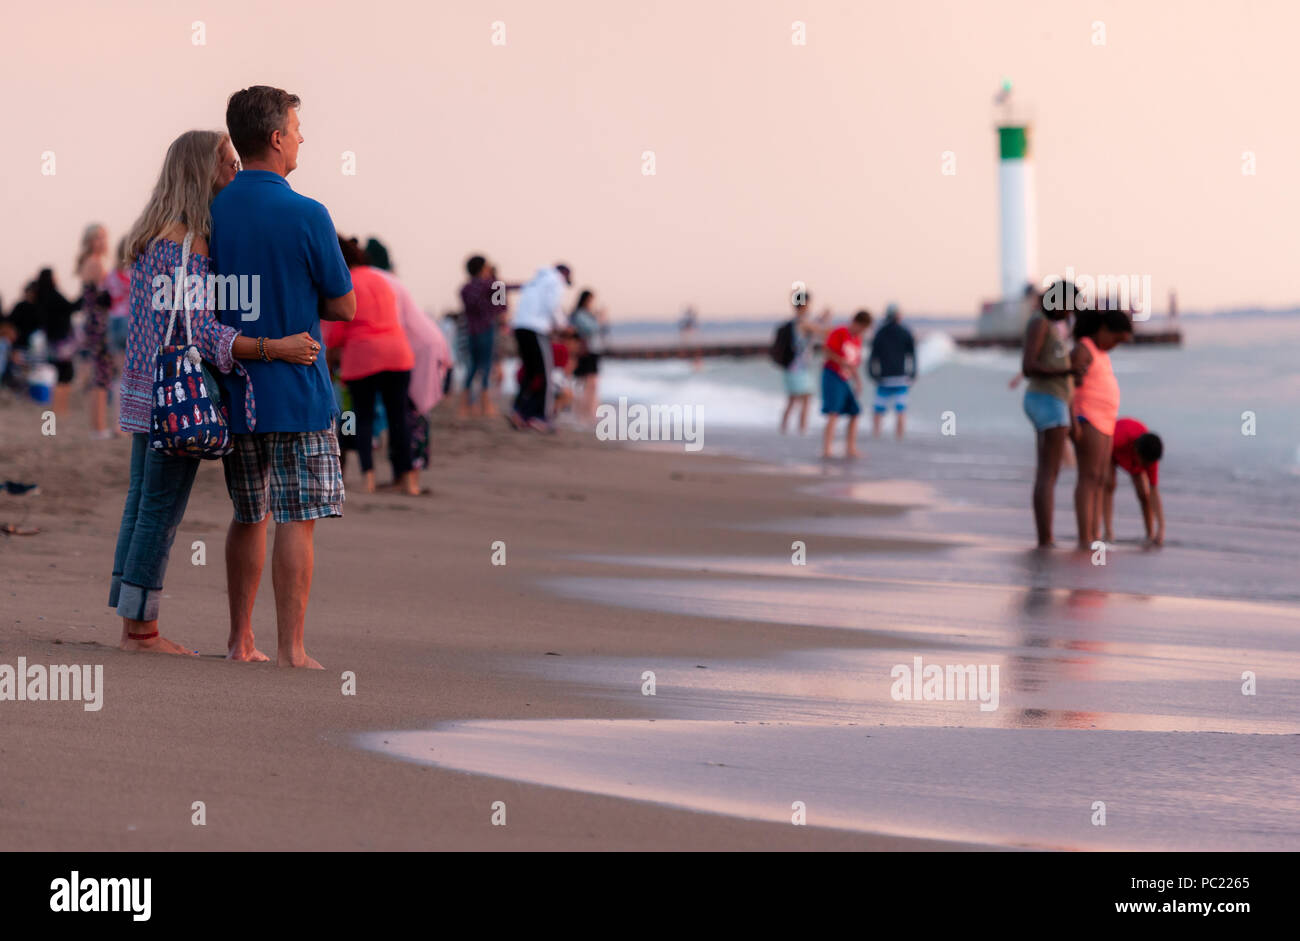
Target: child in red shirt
[
  {"x": 1137, "y": 451},
  {"x": 840, "y": 381}
]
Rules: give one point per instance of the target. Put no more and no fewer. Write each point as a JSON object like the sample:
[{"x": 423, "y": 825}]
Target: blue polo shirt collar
[{"x": 255, "y": 176}]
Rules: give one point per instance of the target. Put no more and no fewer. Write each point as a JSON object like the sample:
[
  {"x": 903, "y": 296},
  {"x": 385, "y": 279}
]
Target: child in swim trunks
[{"x": 841, "y": 381}]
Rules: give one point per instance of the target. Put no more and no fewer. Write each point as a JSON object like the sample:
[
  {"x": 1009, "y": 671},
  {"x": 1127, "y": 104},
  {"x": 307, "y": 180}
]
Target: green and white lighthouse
[{"x": 1017, "y": 215}]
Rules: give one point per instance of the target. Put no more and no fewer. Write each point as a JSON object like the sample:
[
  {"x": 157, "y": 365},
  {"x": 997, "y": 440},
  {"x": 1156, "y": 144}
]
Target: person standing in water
[
  {"x": 1095, "y": 407},
  {"x": 892, "y": 367},
  {"x": 841, "y": 381},
  {"x": 1046, "y": 365},
  {"x": 793, "y": 351}
]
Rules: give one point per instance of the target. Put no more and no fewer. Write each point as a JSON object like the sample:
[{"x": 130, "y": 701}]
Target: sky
[{"x": 774, "y": 162}]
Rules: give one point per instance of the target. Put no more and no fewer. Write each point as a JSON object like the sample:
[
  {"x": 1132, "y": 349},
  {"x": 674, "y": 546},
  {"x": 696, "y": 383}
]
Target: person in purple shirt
[
  {"x": 483, "y": 299},
  {"x": 280, "y": 271}
]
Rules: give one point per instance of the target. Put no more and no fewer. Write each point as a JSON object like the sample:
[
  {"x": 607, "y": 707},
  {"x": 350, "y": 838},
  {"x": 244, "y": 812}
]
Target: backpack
[{"x": 782, "y": 351}]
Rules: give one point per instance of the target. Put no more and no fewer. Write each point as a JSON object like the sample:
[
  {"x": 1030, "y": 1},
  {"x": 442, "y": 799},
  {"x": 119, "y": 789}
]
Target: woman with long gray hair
[{"x": 175, "y": 221}]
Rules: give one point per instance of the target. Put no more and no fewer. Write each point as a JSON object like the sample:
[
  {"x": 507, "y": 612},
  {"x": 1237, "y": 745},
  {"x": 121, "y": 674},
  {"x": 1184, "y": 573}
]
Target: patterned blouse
[{"x": 147, "y": 327}]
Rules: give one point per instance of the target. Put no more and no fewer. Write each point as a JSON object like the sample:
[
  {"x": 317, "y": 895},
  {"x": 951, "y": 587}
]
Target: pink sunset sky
[{"x": 774, "y": 162}]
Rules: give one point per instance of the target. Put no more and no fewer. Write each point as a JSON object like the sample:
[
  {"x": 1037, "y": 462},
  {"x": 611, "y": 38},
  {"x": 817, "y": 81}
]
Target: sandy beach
[
  {"x": 523, "y": 682},
  {"x": 406, "y": 597}
]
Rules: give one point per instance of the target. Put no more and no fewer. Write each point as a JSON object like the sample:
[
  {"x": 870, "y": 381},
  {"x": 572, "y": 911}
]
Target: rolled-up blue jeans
[
  {"x": 480, "y": 360},
  {"x": 155, "y": 503}
]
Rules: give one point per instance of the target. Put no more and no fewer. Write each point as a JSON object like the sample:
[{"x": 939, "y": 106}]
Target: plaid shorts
[{"x": 293, "y": 474}]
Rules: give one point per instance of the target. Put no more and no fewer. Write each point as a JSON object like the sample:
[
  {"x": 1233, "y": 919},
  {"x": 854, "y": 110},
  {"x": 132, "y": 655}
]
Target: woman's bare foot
[
  {"x": 370, "y": 481},
  {"x": 143, "y": 637},
  {"x": 155, "y": 644},
  {"x": 298, "y": 658},
  {"x": 851, "y": 452}
]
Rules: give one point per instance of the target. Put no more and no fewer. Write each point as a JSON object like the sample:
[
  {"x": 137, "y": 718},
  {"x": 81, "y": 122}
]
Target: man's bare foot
[
  {"x": 155, "y": 644},
  {"x": 851, "y": 452},
  {"x": 243, "y": 651},
  {"x": 369, "y": 478},
  {"x": 298, "y": 659}
]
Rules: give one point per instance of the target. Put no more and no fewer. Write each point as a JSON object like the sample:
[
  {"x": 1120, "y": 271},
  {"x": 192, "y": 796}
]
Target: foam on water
[
  {"x": 1197, "y": 396},
  {"x": 1031, "y": 788}
]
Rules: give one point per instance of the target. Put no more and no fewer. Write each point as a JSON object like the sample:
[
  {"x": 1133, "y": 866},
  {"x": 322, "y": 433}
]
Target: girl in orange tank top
[
  {"x": 1096, "y": 398},
  {"x": 1095, "y": 407}
]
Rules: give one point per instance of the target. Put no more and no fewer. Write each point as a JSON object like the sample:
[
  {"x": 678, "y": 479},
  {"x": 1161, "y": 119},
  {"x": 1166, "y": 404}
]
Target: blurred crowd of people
[
  {"x": 559, "y": 354},
  {"x": 394, "y": 359},
  {"x": 44, "y": 337}
]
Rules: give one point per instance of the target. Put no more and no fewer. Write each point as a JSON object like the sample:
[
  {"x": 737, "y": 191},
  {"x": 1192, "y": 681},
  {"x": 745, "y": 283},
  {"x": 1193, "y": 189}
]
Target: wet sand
[{"x": 523, "y": 683}]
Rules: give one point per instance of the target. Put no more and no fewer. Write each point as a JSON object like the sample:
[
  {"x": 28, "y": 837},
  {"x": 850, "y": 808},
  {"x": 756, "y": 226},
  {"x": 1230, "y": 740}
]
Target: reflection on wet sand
[
  {"x": 1040, "y": 604},
  {"x": 1115, "y": 683}
]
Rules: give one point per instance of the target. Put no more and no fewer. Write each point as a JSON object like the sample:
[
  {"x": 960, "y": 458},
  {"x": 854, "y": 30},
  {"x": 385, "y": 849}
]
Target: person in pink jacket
[
  {"x": 374, "y": 359},
  {"x": 433, "y": 360}
]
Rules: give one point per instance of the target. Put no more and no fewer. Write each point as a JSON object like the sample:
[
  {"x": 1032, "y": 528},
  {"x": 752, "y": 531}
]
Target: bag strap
[{"x": 184, "y": 295}]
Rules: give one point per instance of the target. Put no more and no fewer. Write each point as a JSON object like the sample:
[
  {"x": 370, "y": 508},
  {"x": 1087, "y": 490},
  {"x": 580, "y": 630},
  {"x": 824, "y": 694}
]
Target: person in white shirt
[{"x": 537, "y": 314}]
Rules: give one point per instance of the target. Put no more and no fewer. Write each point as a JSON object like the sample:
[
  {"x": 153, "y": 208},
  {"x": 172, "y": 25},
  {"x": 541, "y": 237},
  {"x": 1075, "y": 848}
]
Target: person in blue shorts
[
  {"x": 841, "y": 381},
  {"x": 892, "y": 367},
  {"x": 1045, "y": 362}
]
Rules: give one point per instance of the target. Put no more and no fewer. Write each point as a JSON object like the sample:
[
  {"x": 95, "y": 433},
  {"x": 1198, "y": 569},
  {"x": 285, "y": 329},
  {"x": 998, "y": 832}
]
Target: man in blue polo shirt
[{"x": 287, "y": 466}]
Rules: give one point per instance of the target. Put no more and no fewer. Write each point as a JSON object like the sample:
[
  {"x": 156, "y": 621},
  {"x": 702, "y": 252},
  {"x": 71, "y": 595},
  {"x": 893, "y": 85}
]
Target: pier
[{"x": 1168, "y": 336}]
